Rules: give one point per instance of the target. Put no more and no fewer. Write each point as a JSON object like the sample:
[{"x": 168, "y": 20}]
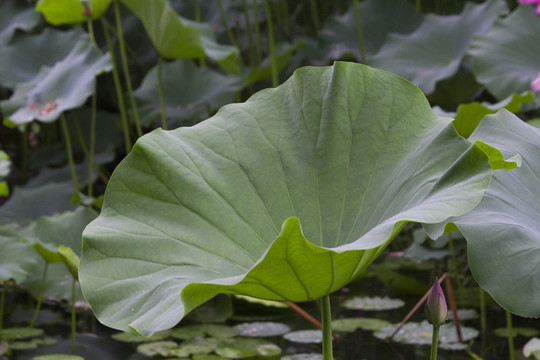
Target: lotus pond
[{"x": 269, "y": 179}]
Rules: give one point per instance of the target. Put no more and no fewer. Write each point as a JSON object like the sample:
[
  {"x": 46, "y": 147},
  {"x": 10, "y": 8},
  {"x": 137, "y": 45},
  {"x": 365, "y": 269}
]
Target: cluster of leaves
[{"x": 267, "y": 196}]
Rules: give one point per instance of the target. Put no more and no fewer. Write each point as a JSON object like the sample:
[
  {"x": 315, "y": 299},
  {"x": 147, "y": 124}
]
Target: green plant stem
[
  {"x": 91, "y": 32},
  {"x": 161, "y": 96},
  {"x": 40, "y": 298},
  {"x": 2, "y": 300},
  {"x": 258, "y": 55},
  {"x": 315, "y": 16},
  {"x": 92, "y": 144},
  {"x": 119, "y": 96},
  {"x": 483, "y": 323},
  {"x": 69, "y": 151},
  {"x": 273, "y": 65},
  {"x": 24, "y": 156},
  {"x": 226, "y": 23},
  {"x": 455, "y": 264},
  {"x": 248, "y": 32},
  {"x": 359, "y": 32},
  {"x": 326, "y": 316},
  {"x": 202, "y": 60},
  {"x": 73, "y": 319},
  {"x": 123, "y": 57},
  {"x": 434, "y": 343},
  {"x": 510, "y": 335}
]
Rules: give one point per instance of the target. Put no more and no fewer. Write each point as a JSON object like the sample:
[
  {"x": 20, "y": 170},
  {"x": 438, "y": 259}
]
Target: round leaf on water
[
  {"x": 20, "y": 333},
  {"x": 305, "y": 336},
  {"x": 22, "y": 345},
  {"x": 523, "y": 331},
  {"x": 162, "y": 348},
  {"x": 503, "y": 231},
  {"x": 17, "y": 258},
  {"x": 195, "y": 345},
  {"x": 428, "y": 54},
  {"x": 62, "y": 12},
  {"x": 288, "y": 196},
  {"x": 133, "y": 338},
  {"x": 303, "y": 357},
  {"x": 351, "y": 324},
  {"x": 373, "y": 303},
  {"x": 262, "y": 329},
  {"x": 241, "y": 348},
  {"x": 421, "y": 333},
  {"x": 58, "y": 357},
  {"x": 188, "y": 331},
  {"x": 507, "y": 58}
]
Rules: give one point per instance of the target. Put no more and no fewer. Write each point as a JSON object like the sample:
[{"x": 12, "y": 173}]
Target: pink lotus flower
[
  {"x": 535, "y": 85},
  {"x": 532, "y": 2}
]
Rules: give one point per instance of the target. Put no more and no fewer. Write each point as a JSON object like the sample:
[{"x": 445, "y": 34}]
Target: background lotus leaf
[
  {"x": 507, "y": 58},
  {"x": 64, "y": 86},
  {"x": 69, "y": 12},
  {"x": 17, "y": 258},
  {"x": 16, "y": 15},
  {"x": 503, "y": 231},
  {"x": 429, "y": 53},
  {"x": 190, "y": 92},
  {"x": 351, "y": 152},
  {"x": 20, "y": 62},
  {"x": 175, "y": 37}
]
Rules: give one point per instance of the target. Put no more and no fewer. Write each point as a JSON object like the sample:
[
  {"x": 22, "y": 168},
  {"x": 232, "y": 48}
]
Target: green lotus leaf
[
  {"x": 421, "y": 333},
  {"x": 20, "y": 333},
  {"x": 70, "y": 259},
  {"x": 175, "y": 37},
  {"x": 70, "y": 12},
  {"x": 502, "y": 232},
  {"x": 189, "y": 91},
  {"x": 288, "y": 196},
  {"x": 19, "y": 66},
  {"x": 16, "y": 15},
  {"x": 429, "y": 54},
  {"x": 64, "y": 86},
  {"x": 54, "y": 232},
  {"x": 507, "y": 58},
  {"x": 17, "y": 258}
]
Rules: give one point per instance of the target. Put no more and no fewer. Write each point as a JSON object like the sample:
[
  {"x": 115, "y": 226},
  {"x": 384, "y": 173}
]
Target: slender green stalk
[
  {"x": 455, "y": 265},
  {"x": 91, "y": 32},
  {"x": 418, "y": 6},
  {"x": 434, "y": 343},
  {"x": 123, "y": 57},
  {"x": 273, "y": 65},
  {"x": 92, "y": 144},
  {"x": 202, "y": 60},
  {"x": 73, "y": 319},
  {"x": 40, "y": 298},
  {"x": 359, "y": 32},
  {"x": 483, "y": 324},
  {"x": 248, "y": 32},
  {"x": 24, "y": 160},
  {"x": 127, "y": 138},
  {"x": 69, "y": 151},
  {"x": 226, "y": 24},
  {"x": 2, "y": 300},
  {"x": 315, "y": 16},
  {"x": 286, "y": 24},
  {"x": 326, "y": 316},
  {"x": 258, "y": 55},
  {"x": 510, "y": 335},
  {"x": 161, "y": 96}
]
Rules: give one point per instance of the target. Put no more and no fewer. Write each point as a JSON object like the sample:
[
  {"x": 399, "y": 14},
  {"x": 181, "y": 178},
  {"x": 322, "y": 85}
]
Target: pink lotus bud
[
  {"x": 535, "y": 85},
  {"x": 436, "y": 309}
]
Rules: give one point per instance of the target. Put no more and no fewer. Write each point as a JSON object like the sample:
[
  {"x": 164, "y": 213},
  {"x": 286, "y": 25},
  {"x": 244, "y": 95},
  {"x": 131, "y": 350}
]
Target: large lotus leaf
[
  {"x": 189, "y": 91},
  {"x": 62, "y": 87},
  {"x": 503, "y": 231},
  {"x": 351, "y": 152},
  {"x": 62, "y": 12},
  {"x": 52, "y": 232},
  {"x": 24, "y": 57},
  {"x": 433, "y": 51},
  {"x": 175, "y": 37},
  {"x": 507, "y": 58},
  {"x": 378, "y": 19},
  {"x": 17, "y": 258},
  {"x": 16, "y": 15}
]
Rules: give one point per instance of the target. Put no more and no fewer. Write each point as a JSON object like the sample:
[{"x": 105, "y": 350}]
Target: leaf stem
[
  {"x": 161, "y": 96},
  {"x": 315, "y": 16},
  {"x": 123, "y": 57},
  {"x": 434, "y": 343},
  {"x": 119, "y": 96},
  {"x": 326, "y": 316},
  {"x": 24, "y": 156},
  {"x": 40, "y": 298},
  {"x": 73, "y": 319},
  {"x": 510, "y": 335},
  {"x": 202, "y": 60},
  {"x": 359, "y": 32},
  {"x": 257, "y": 33},
  {"x": 92, "y": 144},
  {"x": 248, "y": 32},
  {"x": 2, "y": 300},
  {"x": 91, "y": 32},
  {"x": 226, "y": 24},
  {"x": 273, "y": 65},
  {"x": 69, "y": 151}
]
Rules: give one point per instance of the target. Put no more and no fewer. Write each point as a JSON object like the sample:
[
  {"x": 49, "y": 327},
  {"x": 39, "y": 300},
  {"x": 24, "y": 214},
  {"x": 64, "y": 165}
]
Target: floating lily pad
[
  {"x": 133, "y": 338},
  {"x": 220, "y": 331},
  {"x": 464, "y": 314},
  {"x": 373, "y": 303},
  {"x": 453, "y": 346},
  {"x": 351, "y": 324},
  {"x": 23, "y": 345},
  {"x": 193, "y": 346},
  {"x": 262, "y": 329},
  {"x": 188, "y": 331},
  {"x": 305, "y": 336},
  {"x": 303, "y": 357},
  {"x": 58, "y": 357},
  {"x": 45, "y": 341},
  {"x": 242, "y": 348},
  {"x": 20, "y": 333},
  {"x": 421, "y": 333},
  {"x": 208, "y": 357},
  {"x": 522, "y": 331},
  {"x": 64, "y": 86},
  {"x": 162, "y": 348}
]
